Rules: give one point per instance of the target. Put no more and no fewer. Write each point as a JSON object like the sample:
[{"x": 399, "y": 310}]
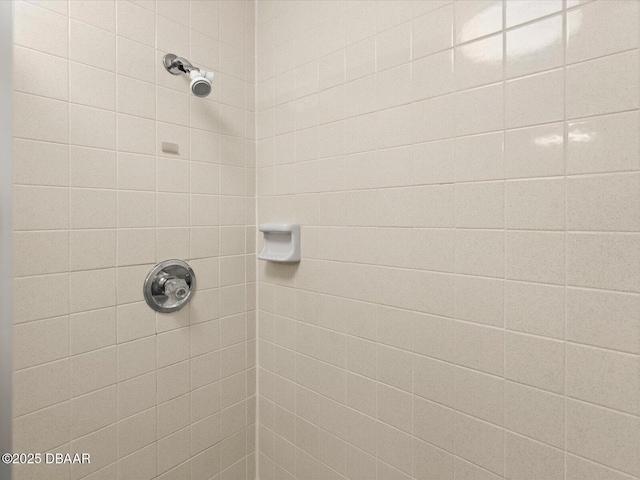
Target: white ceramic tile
[
  {"x": 41, "y": 29},
  {"x": 432, "y": 32},
  {"x": 479, "y": 63},
  {"x": 535, "y": 47},
  {"x": 614, "y": 24},
  {"x": 604, "y": 85},
  {"x": 521, "y": 11},
  {"x": 533, "y": 100},
  {"x": 477, "y": 18},
  {"x": 603, "y": 144},
  {"x": 479, "y": 110}
]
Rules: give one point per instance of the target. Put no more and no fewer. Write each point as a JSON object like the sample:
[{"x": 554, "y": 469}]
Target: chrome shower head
[{"x": 200, "y": 79}]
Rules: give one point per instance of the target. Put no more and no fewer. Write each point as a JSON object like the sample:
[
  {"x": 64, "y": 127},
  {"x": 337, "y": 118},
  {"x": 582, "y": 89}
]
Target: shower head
[
  {"x": 201, "y": 82},
  {"x": 200, "y": 79}
]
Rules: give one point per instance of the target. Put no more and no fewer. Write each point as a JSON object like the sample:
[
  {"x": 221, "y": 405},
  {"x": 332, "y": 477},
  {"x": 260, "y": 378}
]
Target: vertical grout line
[
  {"x": 455, "y": 228},
  {"x": 254, "y": 239},
  {"x": 565, "y": 138},
  {"x": 504, "y": 237},
  {"x": 69, "y": 207},
  {"x": 117, "y": 193}
]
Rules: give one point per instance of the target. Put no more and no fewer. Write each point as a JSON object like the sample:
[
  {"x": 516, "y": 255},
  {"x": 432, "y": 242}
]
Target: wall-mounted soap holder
[{"x": 281, "y": 242}]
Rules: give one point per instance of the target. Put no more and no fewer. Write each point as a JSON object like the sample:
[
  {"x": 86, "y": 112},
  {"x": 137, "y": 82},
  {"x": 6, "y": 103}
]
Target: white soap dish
[{"x": 281, "y": 242}]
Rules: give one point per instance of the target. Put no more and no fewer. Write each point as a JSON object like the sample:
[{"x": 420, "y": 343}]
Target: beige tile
[
  {"x": 92, "y": 87},
  {"x": 139, "y": 464},
  {"x": 535, "y": 361},
  {"x": 433, "y": 336},
  {"x": 394, "y": 447},
  {"x": 430, "y": 460},
  {"x": 36, "y": 253},
  {"x": 534, "y": 152},
  {"x": 136, "y": 432},
  {"x": 479, "y": 157},
  {"x": 525, "y": 458},
  {"x": 26, "y": 60},
  {"x": 394, "y": 407},
  {"x": 603, "y": 261},
  {"x": 603, "y": 203},
  {"x": 136, "y": 246},
  {"x": 136, "y": 209},
  {"x": 92, "y": 330},
  {"x": 135, "y": 59},
  {"x": 590, "y": 90},
  {"x": 136, "y": 135},
  {"x": 480, "y": 300},
  {"x": 43, "y": 430},
  {"x": 92, "y": 289},
  {"x": 173, "y": 415},
  {"x": 590, "y": 314},
  {"x": 40, "y": 342},
  {"x": 433, "y": 75},
  {"x": 480, "y": 442},
  {"x": 41, "y": 29},
  {"x": 92, "y": 371},
  {"x": 434, "y": 423},
  {"x": 393, "y": 47},
  {"x": 468, "y": 14},
  {"x": 92, "y": 249},
  {"x": 480, "y": 347},
  {"x": 603, "y": 377},
  {"x": 582, "y": 468},
  {"x": 136, "y": 23},
  {"x": 136, "y": 98},
  {"x": 603, "y": 144},
  {"x": 40, "y": 118},
  {"x": 520, "y": 12},
  {"x": 136, "y": 172},
  {"x": 542, "y": 103},
  {"x": 534, "y": 47},
  {"x": 479, "y": 63},
  {"x": 480, "y": 205},
  {"x": 173, "y": 381},
  {"x": 41, "y": 386},
  {"x": 434, "y": 119},
  {"x": 602, "y": 435},
  {"x": 586, "y": 24},
  {"x": 136, "y": 357},
  {"x": 40, "y": 297},
  {"x": 479, "y": 110},
  {"x": 534, "y": 413},
  {"x": 432, "y": 32},
  {"x": 92, "y": 46},
  {"x": 135, "y": 320},
  {"x": 535, "y": 204},
  {"x": 172, "y": 347},
  {"x": 535, "y": 256},
  {"x": 535, "y": 308},
  {"x": 40, "y": 163},
  {"x": 92, "y": 208},
  {"x": 92, "y": 168},
  {"x": 136, "y": 395},
  {"x": 480, "y": 252},
  {"x": 479, "y": 395},
  {"x": 93, "y": 411}
]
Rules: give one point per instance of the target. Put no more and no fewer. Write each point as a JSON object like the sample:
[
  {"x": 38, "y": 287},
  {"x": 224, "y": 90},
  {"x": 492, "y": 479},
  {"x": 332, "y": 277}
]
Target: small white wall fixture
[{"x": 281, "y": 242}]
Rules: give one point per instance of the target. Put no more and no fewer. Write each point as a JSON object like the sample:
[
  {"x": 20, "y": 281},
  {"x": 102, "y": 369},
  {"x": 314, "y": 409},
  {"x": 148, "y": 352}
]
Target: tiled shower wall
[
  {"x": 97, "y": 204},
  {"x": 467, "y": 179}
]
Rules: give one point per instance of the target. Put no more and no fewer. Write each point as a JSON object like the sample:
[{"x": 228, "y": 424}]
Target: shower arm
[{"x": 177, "y": 65}]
